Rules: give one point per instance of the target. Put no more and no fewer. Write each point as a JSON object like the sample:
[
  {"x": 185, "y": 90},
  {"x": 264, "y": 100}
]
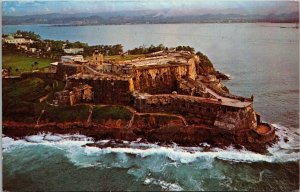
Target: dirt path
[{"x": 90, "y": 113}]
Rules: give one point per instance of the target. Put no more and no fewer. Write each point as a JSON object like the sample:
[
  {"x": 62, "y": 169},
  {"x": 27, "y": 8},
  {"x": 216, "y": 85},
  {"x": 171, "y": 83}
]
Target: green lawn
[
  {"x": 101, "y": 114},
  {"x": 22, "y": 63},
  {"x": 21, "y": 99},
  {"x": 66, "y": 113},
  {"x": 123, "y": 58}
]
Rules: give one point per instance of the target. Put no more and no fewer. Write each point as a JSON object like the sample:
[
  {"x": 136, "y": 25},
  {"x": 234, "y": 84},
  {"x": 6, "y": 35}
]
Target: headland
[{"x": 165, "y": 96}]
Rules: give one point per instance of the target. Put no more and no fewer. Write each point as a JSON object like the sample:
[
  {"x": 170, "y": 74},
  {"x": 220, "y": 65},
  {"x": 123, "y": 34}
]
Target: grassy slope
[
  {"x": 21, "y": 99},
  {"x": 66, "y": 113},
  {"x": 23, "y": 63},
  {"x": 21, "y": 103},
  {"x": 101, "y": 114}
]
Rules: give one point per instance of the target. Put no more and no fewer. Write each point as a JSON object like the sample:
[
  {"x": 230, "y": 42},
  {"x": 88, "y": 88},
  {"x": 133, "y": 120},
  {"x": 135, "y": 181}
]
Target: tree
[
  {"x": 117, "y": 49},
  {"x": 28, "y": 35}
]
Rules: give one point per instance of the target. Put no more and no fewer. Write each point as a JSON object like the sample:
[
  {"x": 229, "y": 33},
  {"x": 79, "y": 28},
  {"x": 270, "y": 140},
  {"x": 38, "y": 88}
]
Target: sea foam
[{"x": 283, "y": 151}]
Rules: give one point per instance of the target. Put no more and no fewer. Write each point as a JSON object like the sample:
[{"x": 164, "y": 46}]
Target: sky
[{"x": 171, "y": 7}]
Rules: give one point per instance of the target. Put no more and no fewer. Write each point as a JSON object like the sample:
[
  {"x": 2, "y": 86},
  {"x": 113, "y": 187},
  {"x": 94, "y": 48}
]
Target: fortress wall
[
  {"x": 158, "y": 79},
  {"x": 67, "y": 69},
  {"x": 243, "y": 118},
  {"x": 163, "y": 78},
  {"x": 193, "y": 88},
  {"x": 40, "y": 75},
  {"x": 192, "y": 69},
  {"x": 10, "y": 80},
  {"x": 198, "y": 111},
  {"x": 106, "y": 91}
]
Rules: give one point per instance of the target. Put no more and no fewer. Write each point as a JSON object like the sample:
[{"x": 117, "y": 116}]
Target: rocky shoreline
[{"x": 189, "y": 136}]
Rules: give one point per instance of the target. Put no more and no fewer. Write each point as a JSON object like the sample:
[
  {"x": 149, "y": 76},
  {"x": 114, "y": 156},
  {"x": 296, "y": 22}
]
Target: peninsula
[{"x": 165, "y": 96}]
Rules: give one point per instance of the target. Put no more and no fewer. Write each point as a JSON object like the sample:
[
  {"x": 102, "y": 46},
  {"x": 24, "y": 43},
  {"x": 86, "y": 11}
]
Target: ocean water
[{"x": 261, "y": 59}]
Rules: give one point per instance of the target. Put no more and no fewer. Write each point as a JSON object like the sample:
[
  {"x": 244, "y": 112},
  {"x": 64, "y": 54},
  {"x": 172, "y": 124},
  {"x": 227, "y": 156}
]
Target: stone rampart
[
  {"x": 158, "y": 80},
  {"x": 40, "y": 75},
  {"x": 162, "y": 78},
  {"x": 200, "y": 110},
  {"x": 224, "y": 94},
  {"x": 67, "y": 69},
  {"x": 107, "y": 90},
  {"x": 10, "y": 80},
  {"x": 193, "y": 88}
]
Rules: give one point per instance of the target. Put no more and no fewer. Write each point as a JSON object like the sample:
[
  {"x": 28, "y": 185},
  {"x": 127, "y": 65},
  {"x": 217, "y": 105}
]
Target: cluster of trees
[
  {"x": 147, "y": 50},
  {"x": 28, "y": 35},
  {"x": 104, "y": 49},
  {"x": 204, "y": 60},
  {"x": 76, "y": 44},
  {"x": 185, "y": 48},
  {"x": 160, "y": 47},
  {"x": 56, "y": 47}
]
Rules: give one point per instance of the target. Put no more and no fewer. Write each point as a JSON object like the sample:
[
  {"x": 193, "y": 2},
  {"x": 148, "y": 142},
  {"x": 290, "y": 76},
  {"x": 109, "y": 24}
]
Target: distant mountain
[{"x": 141, "y": 17}]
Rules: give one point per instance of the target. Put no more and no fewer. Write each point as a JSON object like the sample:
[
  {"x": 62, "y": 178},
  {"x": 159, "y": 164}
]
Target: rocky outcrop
[
  {"x": 221, "y": 76},
  {"x": 167, "y": 132},
  {"x": 204, "y": 67}
]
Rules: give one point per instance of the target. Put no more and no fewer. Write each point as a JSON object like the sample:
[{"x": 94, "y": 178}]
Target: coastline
[
  {"x": 167, "y": 97},
  {"x": 190, "y": 136}
]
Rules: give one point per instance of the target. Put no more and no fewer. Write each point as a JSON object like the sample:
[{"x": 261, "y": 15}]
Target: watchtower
[{"x": 97, "y": 58}]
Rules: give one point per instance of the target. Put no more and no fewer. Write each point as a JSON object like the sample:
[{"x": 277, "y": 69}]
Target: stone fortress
[{"x": 168, "y": 82}]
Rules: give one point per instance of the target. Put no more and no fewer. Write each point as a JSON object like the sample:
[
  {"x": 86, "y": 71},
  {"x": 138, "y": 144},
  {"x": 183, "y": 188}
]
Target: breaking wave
[
  {"x": 163, "y": 184},
  {"x": 285, "y": 150}
]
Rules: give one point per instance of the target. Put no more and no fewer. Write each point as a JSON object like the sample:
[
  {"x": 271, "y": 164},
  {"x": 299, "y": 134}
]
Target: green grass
[
  {"x": 22, "y": 63},
  {"x": 66, "y": 113},
  {"x": 101, "y": 114},
  {"x": 30, "y": 89},
  {"x": 27, "y": 112},
  {"x": 123, "y": 58},
  {"x": 21, "y": 99},
  {"x": 26, "y": 90}
]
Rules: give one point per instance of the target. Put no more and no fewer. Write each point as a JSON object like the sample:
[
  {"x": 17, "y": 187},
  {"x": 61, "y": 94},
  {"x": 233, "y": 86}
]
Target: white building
[
  {"x": 12, "y": 40},
  {"x": 74, "y": 50},
  {"x": 72, "y": 58}
]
